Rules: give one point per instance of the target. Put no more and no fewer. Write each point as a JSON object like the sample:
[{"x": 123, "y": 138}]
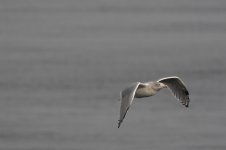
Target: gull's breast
[{"x": 144, "y": 92}]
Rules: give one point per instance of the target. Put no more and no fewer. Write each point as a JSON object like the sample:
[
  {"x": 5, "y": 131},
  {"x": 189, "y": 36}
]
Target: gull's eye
[{"x": 157, "y": 84}]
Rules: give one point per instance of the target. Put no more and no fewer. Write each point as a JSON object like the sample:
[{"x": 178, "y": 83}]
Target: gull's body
[{"x": 140, "y": 90}]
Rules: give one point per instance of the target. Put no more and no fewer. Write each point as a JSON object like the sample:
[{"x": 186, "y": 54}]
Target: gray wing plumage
[
  {"x": 178, "y": 88},
  {"x": 127, "y": 96}
]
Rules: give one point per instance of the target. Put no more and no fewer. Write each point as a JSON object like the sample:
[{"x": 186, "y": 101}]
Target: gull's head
[{"x": 158, "y": 86}]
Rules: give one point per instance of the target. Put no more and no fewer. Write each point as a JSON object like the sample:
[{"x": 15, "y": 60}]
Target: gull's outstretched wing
[
  {"x": 176, "y": 85},
  {"x": 127, "y": 96}
]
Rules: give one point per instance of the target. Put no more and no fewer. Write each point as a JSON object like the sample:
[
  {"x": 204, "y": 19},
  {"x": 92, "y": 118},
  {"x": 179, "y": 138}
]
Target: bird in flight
[{"x": 147, "y": 89}]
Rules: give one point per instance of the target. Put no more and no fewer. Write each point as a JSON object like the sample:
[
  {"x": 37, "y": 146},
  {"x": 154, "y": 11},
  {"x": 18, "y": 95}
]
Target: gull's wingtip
[
  {"x": 119, "y": 123},
  {"x": 187, "y": 105}
]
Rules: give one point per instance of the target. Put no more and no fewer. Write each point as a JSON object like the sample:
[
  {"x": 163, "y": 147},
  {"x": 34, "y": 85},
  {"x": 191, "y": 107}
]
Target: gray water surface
[{"x": 63, "y": 63}]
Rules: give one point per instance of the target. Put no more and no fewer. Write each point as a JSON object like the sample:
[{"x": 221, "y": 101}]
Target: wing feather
[
  {"x": 127, "y": 96},
  {"x": 178, "y": 88}
]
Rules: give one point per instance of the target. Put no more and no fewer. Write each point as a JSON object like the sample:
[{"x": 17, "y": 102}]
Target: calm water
[{"x": 63, "y": 63}]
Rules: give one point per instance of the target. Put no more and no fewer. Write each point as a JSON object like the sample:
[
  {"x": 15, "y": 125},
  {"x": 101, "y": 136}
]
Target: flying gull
[{"x": 147, "y": 89}]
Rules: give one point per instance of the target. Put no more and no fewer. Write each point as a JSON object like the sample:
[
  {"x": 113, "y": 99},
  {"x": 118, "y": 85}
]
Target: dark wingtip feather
[
  {"x": 187, "y": 104},
  {"x": 186, "y": 92},
  {"x": 119, "y": 123}
]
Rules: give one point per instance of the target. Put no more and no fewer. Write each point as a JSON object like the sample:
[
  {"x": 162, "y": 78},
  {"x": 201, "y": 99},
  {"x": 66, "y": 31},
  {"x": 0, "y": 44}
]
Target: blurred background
[{"x": 63, "y": 64}]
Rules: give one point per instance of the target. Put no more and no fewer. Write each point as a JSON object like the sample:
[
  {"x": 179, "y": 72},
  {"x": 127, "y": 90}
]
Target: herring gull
[{"x": 147, "y": 89}]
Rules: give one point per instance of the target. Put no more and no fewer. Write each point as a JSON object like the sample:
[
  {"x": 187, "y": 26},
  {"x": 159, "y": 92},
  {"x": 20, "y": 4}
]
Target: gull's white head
[{"x": 158, "y": 86}]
